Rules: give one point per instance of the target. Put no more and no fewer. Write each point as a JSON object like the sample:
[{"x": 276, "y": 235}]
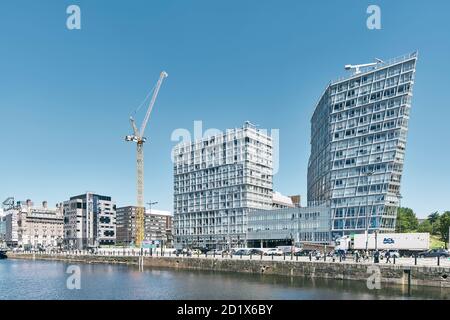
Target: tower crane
[
  {"x": 358, "y": 67},
  {"x": 138, "y": 137}
]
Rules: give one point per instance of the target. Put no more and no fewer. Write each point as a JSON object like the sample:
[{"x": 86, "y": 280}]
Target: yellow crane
[{"x": 138, "y": 137}]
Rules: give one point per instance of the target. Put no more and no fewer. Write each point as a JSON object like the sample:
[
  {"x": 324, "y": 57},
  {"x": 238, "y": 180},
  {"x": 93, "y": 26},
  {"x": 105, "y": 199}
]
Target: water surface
[{"x": 28, "y": 279}]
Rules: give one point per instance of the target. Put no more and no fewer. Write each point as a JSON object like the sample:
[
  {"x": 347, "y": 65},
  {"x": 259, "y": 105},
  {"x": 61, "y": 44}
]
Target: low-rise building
[
  {"x": 281, "y": 201},
  {"x": 89, "y": 221},
  {"x": 286, "y": 226}
]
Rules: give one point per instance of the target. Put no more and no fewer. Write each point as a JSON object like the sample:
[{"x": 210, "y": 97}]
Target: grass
[{"x": 436, "y": 243}]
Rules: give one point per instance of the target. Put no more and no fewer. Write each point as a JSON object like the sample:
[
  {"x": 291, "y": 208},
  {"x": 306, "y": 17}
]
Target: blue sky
[{"x": 65, "y": 96}]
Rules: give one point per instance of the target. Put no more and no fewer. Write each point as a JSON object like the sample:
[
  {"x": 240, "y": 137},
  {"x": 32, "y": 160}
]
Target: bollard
[
  {"x": 284, "y": 256},
  {"x": 261, "y": 256},
  {"x": 324, "y": 257},
  {"x": 272, "y": 256},
  {"x": 214, "y": 254},
  {"x": 415, "y": 260},
  {"x": 206, "y": 254},
  {"x": 310, "y": 257},
  {"x": 394, "y": 259},
  {"x": 439, "y": 260},
  {"x": 250, "y": 256},
  {"x": 198, "y": 254},
  {"x": 292, "y": 256},
  {"x": 296, "y": 258}
]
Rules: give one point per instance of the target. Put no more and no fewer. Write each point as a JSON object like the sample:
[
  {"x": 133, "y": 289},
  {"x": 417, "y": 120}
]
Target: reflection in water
[{"x": 26, "y": 279}]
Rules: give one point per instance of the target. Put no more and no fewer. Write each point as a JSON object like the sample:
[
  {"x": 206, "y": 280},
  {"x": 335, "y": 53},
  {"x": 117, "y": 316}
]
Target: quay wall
[{"x": 394, "y": 274}]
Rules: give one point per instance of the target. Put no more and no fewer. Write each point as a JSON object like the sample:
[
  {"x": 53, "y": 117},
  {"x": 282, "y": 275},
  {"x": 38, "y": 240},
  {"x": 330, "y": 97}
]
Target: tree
[
  {"x": 444, "y": 224},
  {"x": 436, "y": 230},
  {"x": 434, "y": 217},
  {"x": 425, "y": 226},
  {"x": 406, "y": 220}
]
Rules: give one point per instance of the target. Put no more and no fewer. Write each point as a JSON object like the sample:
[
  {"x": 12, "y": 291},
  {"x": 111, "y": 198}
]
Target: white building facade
[
  {"x": 29, "y": 226},
  {"x": 358, "y": 140},
  {"x": 217, "y": 181},
  {"x": 89, "y": 221}
]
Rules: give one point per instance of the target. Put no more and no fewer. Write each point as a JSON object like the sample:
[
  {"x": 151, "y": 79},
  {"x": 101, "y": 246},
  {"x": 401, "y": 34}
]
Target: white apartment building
[
  {"x": 358, "y": 141},
  {"x": 89, "y": 221},
  {"x": 217, "y": 180}
]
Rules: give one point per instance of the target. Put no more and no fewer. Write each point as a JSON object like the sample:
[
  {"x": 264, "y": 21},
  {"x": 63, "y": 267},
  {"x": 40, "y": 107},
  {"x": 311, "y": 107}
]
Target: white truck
[{"x": 403, "y": 242}]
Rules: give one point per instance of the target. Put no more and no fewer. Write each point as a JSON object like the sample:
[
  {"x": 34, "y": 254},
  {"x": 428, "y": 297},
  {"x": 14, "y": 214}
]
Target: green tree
[
  {"x": 436, "y": 230},
  {"x": 434, "y": 217},
  {"x": 406, "y": 220},
  {"x": 444, "y": 224},
  {"x": 425, "y": 226}
]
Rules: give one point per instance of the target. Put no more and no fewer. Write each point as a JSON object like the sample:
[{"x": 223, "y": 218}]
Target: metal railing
[{"x": 340, "y": 259}]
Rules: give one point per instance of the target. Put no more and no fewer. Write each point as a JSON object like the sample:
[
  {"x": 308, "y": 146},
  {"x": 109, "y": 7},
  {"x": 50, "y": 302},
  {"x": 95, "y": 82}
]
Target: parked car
[
  {"x": 196, "y": 252},
  {"x": 392, "y": 253},
  {"x": 242, "y": 252},
  {"x": 216, "y": 252},
  {"x": 201, "y": 249},
  {"x": 256, "y": 251},
  {"x": 434, "y": 253},
  {"x": 273, "y": 252}
]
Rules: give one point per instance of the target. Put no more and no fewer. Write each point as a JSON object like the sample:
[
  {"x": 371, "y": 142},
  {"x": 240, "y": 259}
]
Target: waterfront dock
[{"x": 405, "y": 271}]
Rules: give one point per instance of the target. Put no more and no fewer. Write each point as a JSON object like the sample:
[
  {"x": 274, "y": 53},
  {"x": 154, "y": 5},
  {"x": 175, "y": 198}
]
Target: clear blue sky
[{"x": 65, "y": 96}]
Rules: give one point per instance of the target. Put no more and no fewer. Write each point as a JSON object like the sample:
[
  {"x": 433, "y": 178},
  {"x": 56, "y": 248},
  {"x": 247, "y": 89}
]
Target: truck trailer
[{"x": 403, "y": 242}]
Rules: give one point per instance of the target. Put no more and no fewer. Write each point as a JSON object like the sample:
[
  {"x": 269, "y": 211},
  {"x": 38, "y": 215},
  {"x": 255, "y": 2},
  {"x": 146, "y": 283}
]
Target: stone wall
[{"x": 394, "y": 274}]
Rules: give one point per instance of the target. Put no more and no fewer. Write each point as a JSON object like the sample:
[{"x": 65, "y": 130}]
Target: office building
[
  {"x": 29, "y": 226},
  {"x": 217, "y": 181},
  {"x": 358, "y": 141},
  {"x": 158, "y": 226},
  {"x": 288, "y": 226},
  {"x": 89, "y": 221}
]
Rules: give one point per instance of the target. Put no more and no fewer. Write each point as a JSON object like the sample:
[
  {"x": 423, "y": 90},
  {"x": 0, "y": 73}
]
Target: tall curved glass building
[{"x": 358, "y": 140}]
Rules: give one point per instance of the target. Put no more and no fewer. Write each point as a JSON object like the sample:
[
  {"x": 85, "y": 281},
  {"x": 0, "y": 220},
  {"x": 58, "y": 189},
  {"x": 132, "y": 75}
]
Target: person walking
[
  {"x": 357, "y": 256},
  {"x": 376, "y": 257},
  {"x": 388, "y": 256}
]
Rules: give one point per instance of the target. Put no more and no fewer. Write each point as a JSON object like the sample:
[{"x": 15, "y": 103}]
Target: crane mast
[{"x": 138, "y": 137}]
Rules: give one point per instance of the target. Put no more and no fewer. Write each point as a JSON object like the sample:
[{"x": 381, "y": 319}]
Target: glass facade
[
  {"x": 217, "y": 180},
  {"x": 287, "y": 225},
  {"x": 358, "y": 140}
]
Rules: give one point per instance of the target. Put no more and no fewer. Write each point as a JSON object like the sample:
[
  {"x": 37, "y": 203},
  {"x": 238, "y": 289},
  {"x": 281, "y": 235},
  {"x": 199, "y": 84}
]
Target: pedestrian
[
  {"x": 388, "y": 256},
  {"x": 376, "y": 257},
  {"x": 357, "y": 256}
]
